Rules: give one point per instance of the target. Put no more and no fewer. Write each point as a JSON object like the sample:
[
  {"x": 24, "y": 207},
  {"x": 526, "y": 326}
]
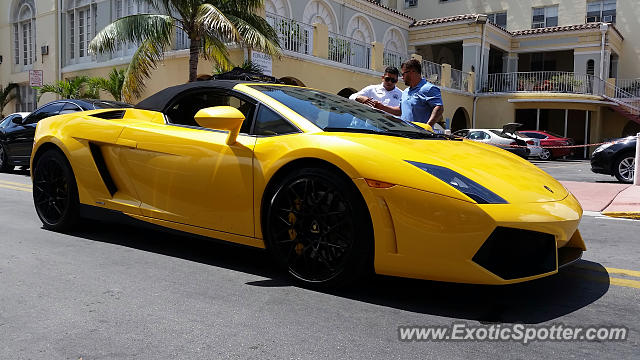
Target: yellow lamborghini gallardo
[{"x": 330, "y": 187}]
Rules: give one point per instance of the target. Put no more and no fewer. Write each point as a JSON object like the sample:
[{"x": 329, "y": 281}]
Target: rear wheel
[
  {"x": 624, "y": 167},
  {"x": 4, "y": 160},
  {"x": 318, "y": 228},
  {"x": 545, "y": 154},
  {"x": 55, "y": 194}
]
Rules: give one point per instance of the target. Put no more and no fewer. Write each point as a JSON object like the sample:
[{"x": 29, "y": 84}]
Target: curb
[{"x": 623, "y": 214}]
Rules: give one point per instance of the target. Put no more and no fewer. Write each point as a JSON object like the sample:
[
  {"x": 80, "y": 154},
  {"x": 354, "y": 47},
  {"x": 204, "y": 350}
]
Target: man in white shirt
[{"x": 386, "y": 93}]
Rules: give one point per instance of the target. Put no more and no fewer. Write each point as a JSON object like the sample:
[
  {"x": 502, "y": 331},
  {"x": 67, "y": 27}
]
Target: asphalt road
[{"x": 117, "y": 292}]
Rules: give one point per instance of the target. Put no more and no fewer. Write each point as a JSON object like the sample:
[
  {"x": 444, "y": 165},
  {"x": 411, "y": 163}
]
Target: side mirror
[
  {"x": 221, "y": 118},
  {"x": 17, "y": 120},
  {"x": 423, "y": 125}
]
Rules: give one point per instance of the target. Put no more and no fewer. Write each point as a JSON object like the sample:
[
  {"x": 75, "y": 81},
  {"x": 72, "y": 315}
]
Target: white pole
[
  {"x": 537, "y": 119},
  {"x": 566, "y": 118},
  {"x": 636, "y": 180}
]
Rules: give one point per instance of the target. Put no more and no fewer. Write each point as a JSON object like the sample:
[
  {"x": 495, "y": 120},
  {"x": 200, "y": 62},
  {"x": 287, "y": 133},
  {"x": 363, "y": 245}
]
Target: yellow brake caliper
[{"x": 292, "y": 232}]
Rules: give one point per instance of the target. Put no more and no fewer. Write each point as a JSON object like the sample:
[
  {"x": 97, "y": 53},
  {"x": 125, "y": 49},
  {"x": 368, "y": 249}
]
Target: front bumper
[
  {"x": 430, "y": 236},
  {"x": 601, "y": 162}
]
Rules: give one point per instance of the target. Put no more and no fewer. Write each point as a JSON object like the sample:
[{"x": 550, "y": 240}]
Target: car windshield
[
  {"x": 554, "y": 134},
  {"x": 335, "y": 113}
]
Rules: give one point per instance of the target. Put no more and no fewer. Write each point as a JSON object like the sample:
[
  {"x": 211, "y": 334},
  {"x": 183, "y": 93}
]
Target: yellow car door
[{"x": 188, "y": 174}]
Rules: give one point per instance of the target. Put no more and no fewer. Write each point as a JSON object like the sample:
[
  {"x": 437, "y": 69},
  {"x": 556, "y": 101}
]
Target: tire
[
  {"x": 55, "y": 193},
  {"x": 318, "y": 228},
  {"x": 545, "y": 154},
  {"x": 4, "y": 160},
  {"x": 623, "y": 168}
]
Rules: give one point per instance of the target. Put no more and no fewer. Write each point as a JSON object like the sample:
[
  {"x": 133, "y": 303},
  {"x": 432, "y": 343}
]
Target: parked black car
[
  {"x": 16, "y": 139},
  {"x": 617, "y": 159}
]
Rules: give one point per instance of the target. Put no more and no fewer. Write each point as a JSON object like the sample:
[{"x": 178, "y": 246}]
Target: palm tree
[
  {"x": 209, "y": 24},
  {"x": 6, "y": 96},
  {"x": 112, "y": 85},
  {"x": 76, "y": 88}
]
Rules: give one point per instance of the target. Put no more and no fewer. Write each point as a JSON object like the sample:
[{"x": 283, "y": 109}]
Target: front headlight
[
  {"x": 472, "y": 189},
  {"x": 602, "y": 147}
]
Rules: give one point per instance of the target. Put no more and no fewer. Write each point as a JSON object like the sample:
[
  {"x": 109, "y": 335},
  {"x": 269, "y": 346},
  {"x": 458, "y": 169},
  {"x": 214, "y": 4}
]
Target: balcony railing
[
  {"x": 459, "y": 80},
  {"x": 393, "y": 58},
  {"x": 293, "y": 35},
  {"x": 631, "y": 86},
  {"x": 543, "y": 81},
  {"x": 349, "y": 51},
  {"x": 432, "y": 72}
]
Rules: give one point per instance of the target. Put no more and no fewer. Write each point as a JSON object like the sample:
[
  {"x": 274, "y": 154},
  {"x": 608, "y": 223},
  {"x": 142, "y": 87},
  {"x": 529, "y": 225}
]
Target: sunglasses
[
  {"x": 406, "y": 72},
  {"x": 391, "y": 79}
]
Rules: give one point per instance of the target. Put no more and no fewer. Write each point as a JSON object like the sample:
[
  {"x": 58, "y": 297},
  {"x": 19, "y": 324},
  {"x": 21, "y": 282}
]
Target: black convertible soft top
[{"x": 159, "y": 100}]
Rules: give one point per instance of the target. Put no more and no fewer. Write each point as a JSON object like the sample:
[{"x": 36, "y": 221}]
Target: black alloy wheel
[
  {"x": 4, "y": 160},
  {"x": 55, "y": 194},
  {"x": 318, "y": 228},
  {"x": 624, "y": 168}
]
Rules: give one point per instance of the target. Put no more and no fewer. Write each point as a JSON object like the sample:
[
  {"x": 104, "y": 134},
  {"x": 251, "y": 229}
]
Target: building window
[
  {"x": 122, "y": 8},
  {"x": 545, "y": 17},
  {"x": 81, "y": 21},
  {"x": 24, "y": 34},
  {"x": 499, "y": 19},
  {"x": 26, "y": 100},
  {"x": 601, "y": 10},
  {"x": 410, "y": 3}
]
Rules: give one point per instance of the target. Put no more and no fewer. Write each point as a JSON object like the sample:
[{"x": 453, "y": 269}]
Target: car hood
[{"x": 509, "y": 176}]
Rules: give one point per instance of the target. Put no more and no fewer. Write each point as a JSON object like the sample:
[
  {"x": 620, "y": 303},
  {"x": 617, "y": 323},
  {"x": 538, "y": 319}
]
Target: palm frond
[
  {"x": 136, "y": 29},
  {"x": 143, "y": 61},
  {"x": 262, "y": 37},
  {"x": 212, "y": 22},
  {"x": 216, "y": 51}
]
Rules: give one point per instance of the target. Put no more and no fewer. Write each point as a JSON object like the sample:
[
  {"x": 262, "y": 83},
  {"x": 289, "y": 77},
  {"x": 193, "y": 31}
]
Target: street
[{"x": 120, "y": 292}]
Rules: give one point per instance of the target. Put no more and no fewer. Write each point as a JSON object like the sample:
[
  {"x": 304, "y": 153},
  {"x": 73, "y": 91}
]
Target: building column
[
  {"x": 320, "y": 40},
  {"x": 446, "y": 75},
  {"x": 377, "y": 56},
  {"x": 510, "y": 63}
]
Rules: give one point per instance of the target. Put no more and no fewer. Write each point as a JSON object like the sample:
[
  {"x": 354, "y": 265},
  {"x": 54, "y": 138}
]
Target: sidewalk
[{"x": 616, "y": 200}]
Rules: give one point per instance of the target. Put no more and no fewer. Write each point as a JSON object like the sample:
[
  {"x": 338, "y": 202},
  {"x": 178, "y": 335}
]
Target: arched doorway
[
  {"x": 460, "y": 120},
  {"x": 346, "y": 92},
  {"x": 290, "y": 80},
  {"x": 631, "y": 129}
]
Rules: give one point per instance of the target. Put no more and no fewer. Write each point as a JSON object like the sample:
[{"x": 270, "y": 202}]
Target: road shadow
[{"x": 532, "y": 302}]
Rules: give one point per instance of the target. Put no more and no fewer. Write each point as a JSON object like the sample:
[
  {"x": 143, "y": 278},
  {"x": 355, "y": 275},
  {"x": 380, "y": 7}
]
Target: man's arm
[
  {"x": 434, "y": 98},
  {"x": 393, "y": 110},
  {"x": 436, "y": 114},
  {"x": 363, "y": 96}
]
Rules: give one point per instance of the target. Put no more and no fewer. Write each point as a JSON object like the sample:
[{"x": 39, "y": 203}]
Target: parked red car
[{"x": 550, "y": 139}]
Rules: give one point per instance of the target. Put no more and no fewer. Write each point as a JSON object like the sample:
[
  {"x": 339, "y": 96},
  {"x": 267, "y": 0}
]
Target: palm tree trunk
[{"x": 193, "y": 59}]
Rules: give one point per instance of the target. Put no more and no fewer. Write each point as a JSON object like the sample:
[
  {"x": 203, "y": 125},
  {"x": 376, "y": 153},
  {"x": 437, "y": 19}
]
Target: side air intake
[{"x": 110, "y": 115}]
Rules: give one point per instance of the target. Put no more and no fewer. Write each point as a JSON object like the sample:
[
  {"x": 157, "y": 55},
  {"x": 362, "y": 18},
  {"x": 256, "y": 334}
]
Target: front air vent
[
  {"x": 515, "y": 253},
  {"x": 110, "y": 115}
]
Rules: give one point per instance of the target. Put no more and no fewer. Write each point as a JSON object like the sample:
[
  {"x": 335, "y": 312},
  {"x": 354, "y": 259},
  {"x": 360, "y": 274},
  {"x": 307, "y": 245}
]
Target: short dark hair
[
  {"x": 392, "y": 70},
  {"x": 412, "y": 64}
]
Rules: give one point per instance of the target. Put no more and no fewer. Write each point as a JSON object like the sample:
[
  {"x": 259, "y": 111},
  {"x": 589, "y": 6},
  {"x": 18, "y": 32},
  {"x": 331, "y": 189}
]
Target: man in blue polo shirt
[{"x": 421, "y": 100}]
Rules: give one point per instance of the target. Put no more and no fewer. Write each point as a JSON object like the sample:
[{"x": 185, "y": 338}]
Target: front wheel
[
  {"x": 545, "y": 154},
  {"x": 55, "y": 194},
  {"x": 318, "y": 228},
  {"x": 624, "y": 168}
]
